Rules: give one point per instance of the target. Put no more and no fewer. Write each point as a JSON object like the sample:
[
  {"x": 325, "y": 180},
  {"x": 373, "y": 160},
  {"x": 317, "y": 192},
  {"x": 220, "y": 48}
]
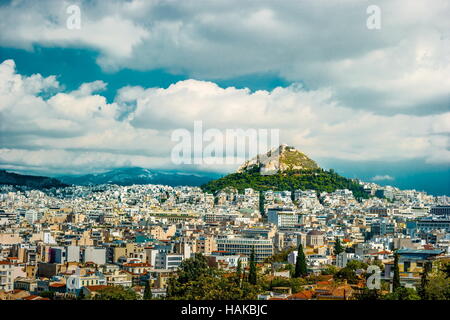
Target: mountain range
[
  {"x": 137, "y": 175},
  {"x": 120, "y": 176}
]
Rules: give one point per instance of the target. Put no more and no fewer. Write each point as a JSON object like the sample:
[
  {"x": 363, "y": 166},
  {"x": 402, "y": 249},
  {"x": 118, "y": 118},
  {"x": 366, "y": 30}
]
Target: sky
[{"x": 370, "y": 103}]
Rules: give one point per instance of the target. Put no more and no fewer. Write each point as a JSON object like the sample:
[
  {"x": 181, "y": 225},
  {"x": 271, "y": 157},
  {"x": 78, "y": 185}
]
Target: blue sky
[{"x": 372, "y": 104}]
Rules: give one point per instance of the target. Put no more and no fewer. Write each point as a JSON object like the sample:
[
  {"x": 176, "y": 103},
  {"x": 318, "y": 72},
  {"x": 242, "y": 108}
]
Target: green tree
[
  {"x": 261, "y": 204},
  {"x": 148, "y": 291},
  {"x": 195, "y": 280},
  {"x": 300, "y": 263},
  {"x": 402, "y": 293},
  {"x": 378, "y": 263},
  {"x": 338, "y": 246},
  {"x": 191, "y": 269},
  {"x": 329, "y": 270},
  {"x": 369, "y": 294},
  {"x": 252, "y": 275},
  {"x": 355, "y": 265},
  {"x": 438, "y": 284},
  {"x": 280, "y": 256},
  {"x": 239, "y": 272},
  {"x": 424, "y": 280},
  {"x": 446, "y": 269},
  {"x": 116, "y": 293},
  {"x": 81, "y": 296},
  {"x": 396, "y": 278},
  {"x": 288, "y": 267},
  {"x": 347, "y": 274}
]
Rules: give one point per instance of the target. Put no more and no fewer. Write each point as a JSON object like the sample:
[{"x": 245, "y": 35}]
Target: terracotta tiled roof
[
  {"x": 303, "y": 295},
  {"x": 137, "y": 265},
  {"x": 57, "y": 285},
  {"x": 33, "y": 297},
  {"x": 382, "y": 252},
  {"x": 95, "y": 288}
]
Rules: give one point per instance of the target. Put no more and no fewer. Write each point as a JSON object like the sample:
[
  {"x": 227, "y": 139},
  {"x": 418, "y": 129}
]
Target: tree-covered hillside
[
  {"x": 34, "y": 182},
  {"x": 318, "y": 179}
]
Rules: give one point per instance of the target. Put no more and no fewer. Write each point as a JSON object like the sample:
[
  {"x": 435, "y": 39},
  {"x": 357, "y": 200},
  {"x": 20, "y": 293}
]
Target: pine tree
[
  {"x": 252, "y": 278},
  {"x": 396, "y": 279},
  {"x": 300, "y": 263},
  {"x": 338, "y": 246},
  {"x": 147, "y": 291}
]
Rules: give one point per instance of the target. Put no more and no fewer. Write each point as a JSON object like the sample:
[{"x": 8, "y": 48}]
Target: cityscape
[
  {"x": 164, "y": 242},
  {"x": 224, "y": 158}
]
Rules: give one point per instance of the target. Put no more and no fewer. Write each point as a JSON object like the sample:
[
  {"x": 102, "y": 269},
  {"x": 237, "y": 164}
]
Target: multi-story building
[
  {"x": 443, "y": 211},
  {"x": 411, "y": 264},
  {"x": 6, "y": 276},
  {"x": 76, "y": 282},
  {"x": 315, "y": 238},
  {"x": 168, "y": 260},
  {"x": 284, "y": 218},
  {"x": 263, "y": 247},
  {"x": 95, "y": 255},
  {"x": 382, "y": 227}
]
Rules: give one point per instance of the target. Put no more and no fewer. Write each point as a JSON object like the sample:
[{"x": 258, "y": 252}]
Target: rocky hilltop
[
  {"x": 284, "y": 169},
  {"x": 280, "y": 159}
]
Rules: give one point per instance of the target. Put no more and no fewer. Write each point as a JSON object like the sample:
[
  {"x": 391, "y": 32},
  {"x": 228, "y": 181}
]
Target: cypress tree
[
  {"x": 239, "y": 272},
  {"x": 424, "y": 280},
  {"x": 396, "y": 278},
  {"x": 338, "y": 246},
  {"x": 300, "y": 263},
  {"x": 262, "y": 210},
  {"x": 147, "y": 291},
  {"x": 252, "y": 271}
]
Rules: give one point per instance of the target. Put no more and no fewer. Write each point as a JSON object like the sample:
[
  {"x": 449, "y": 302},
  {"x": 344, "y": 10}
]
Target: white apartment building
[
  {"x": 6, "y": 276},
  {"x": 263, "y": 247},
  {"x": 284, "y": 218}
]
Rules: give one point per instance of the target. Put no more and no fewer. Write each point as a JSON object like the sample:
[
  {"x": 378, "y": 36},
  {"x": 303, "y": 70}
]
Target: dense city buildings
[{"x": 75, "y": 241}]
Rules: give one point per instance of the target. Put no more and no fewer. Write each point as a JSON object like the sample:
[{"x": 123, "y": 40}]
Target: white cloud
[
  {"x": 383, "y": 178},
  {"x": 403, "y": 67},
  {"x": 45, "y": 22},
  {"x": 81, "y": 131}
]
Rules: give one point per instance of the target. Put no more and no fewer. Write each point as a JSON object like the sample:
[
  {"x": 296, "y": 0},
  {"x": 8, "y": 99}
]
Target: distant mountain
[
  {"x": 136, "y": 175},
  {"x": 284, "y": 168},
  {"x": 34, "y": 182}
]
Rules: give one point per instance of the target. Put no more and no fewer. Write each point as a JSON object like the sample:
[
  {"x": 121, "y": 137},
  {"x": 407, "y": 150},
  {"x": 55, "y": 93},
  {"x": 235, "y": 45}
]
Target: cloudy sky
[{"x": 371, "y": 103}]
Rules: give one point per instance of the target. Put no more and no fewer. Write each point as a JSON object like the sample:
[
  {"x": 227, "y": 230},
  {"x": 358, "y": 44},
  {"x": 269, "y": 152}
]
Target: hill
[
  {"x": 33, "y": 182},
  {"x": 295, "y": 171}
]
